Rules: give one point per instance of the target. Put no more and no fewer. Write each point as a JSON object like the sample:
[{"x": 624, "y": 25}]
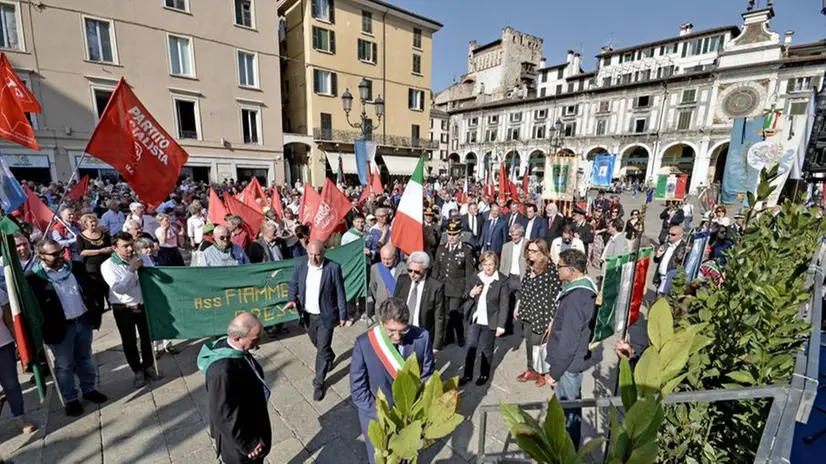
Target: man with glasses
[
  {"x": 455, "y": 267},
  {"x": 570, "y": 334},
  {"x": 514, "y": 265},
  {"x": 223, "y": 252},
  {"x": 494, "y": 231},
  {"x": 70, "y": 312},
  {"x": 425, "y": 298},
  {"x": 383, "y": 278},
  {"x": 379, "y": 354},
  {"x": 379, "y": 233},
  {"x": 669, "y": 256}
]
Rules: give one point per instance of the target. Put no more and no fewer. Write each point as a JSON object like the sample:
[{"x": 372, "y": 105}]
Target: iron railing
[{"x": 348, "y": 136}]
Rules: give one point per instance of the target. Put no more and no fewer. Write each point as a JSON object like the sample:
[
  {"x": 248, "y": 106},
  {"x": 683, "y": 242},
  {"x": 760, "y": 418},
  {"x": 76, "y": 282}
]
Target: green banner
[
  {"x": 196, "y": 302},
  {"x": 604, "y": 326}
]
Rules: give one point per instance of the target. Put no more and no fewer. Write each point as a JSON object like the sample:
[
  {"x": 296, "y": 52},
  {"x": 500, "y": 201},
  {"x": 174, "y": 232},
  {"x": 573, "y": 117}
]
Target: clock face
[{"x": 741, "y": 102}]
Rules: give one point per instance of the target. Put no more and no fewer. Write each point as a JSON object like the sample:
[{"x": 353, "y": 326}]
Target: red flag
[
  {"x": 15, "y": 101},
  {"x": 503, "y": 180},
  {"x": 253, "y": 219},
  {"x": 35, "y": 212},
  {"x": 276, "y": 203},
  {"x": 256, "y": 189},
  {"x": 514, "y": 190},
  {"x": 129, "y": 139},
  {"x": 217, "y": 211},
  {"x": 309, "y": 202},
  {"x": 79, "y": 190},
  {"x": 331, "y": 210},
  {"x": 525, "y": 188}
]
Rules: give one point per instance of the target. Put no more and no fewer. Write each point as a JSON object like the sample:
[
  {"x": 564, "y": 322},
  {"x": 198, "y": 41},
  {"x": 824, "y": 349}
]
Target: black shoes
[
  {"x": 482, "y": 380},
  {"x": 318, "y": 394},
  {"x": 461, "y": 343},
  {"x": 94, "y": 396},
  {"x": 464, "y": 381},
  {"x": 74, "y": 409}
]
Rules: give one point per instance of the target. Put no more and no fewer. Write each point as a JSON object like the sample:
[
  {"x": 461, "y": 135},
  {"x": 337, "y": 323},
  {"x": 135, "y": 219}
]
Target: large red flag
[
  {"x": 503, "y": 183},
  {"x": 331, "y": 210},
  {"x": 276, "y": 203},
  {"x": 252, "y": 193},
  {"x": 79, "y": 190},
  {"x": 217, "y": 211},
  {"x": 253, "y": 219},
  {"x": 129, "y": 139},
  {"x": 309, "y": 203},
  {"x": 35, "y": 212},
  {"x": 15, "y": 101},
  {"x": 525, "y": 188}
]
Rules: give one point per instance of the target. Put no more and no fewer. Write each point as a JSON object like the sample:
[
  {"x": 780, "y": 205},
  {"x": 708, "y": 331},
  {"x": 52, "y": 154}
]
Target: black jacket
[
  {"x": 238, "y": 417},
  {"x": 586, "y": 234},
  {"x": 54, "y": 320},
  {"x": 497, "y": 301},
  {"x": 571, "y": 332},
  {"x": 555, "y": 228},
  {"x": 258, "y": 251},
  {"x": 454, "y": 269},
  {"x": 431, "y": 310}
]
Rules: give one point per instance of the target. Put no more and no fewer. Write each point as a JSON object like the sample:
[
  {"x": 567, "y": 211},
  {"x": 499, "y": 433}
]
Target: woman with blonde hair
[
  {"x": 537, "y": 307},
  {"x": 169, "y": 239},
  {"x": 94, "y": 247}
]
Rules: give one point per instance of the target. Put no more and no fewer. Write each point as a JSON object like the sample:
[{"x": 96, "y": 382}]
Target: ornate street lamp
[{"x": 364, "y": 93}]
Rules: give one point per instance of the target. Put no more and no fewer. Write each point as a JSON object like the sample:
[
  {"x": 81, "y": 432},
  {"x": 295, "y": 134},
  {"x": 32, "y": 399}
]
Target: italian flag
[
  {"x": 622, "y": 282},
  {"x": 638, "y": 293},
  {"x": 406, "y": 231},
  {"x": 671, "y": 187}
]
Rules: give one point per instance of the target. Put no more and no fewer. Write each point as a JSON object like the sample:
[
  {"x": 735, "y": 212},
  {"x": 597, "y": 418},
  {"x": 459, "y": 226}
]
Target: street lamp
[
  {"x": 555, "y": 136},
  {"x": 364, "y": 95}
]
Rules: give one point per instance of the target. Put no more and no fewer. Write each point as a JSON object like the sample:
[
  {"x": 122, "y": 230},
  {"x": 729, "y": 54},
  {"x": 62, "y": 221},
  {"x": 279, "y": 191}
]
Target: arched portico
[
  {"x": 679, "y": 156},
  {"x": 470, "y": 164},
  {"x": 634, "y": 162}
]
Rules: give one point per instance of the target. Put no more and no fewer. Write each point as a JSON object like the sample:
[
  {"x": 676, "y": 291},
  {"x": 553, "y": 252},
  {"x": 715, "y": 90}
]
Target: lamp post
[
  {"x": 347, "y": 104},
  {"x": 555, "y": 137}
]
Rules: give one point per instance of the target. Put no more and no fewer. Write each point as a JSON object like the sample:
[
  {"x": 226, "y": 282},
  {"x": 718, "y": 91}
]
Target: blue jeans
[
  {"x": 569, "y": 387},
  {"x": 9, "y": 381},
  {"x": 73, "y": 357}
]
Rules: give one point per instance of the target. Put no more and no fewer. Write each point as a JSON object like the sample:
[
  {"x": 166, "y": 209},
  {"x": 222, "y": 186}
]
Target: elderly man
[
  {"x": 513, "y": 264},
  {"x": 238, "y": 232},
  {"x": 379, "y": 354},
  {"x": 66, "y": 230},
  {"x": 379, "y": 233},
  {"x": 113, "y": 219},
  {"x": 383, "y": 277},
  {"x": 555, "y": 224},
  {"x": 317, "y": 291},
  {"x": 238, "y": 394},
  {"x": 669, "y": 256},
  {"x": 267, "y": 248},
  {"x": 472, "y": 224},
  {"x": 223, "y": 252},
  {"x": 425, "y": 298},
  {"x": 455, "y": 266}
]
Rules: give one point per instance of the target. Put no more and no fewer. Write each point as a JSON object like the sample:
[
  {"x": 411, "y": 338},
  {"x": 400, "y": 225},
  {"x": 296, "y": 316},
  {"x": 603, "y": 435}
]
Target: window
[
  {"x": 176, "y": 4},
  {"x": 443, "y": 155},
  {"x": 472, "y": 122},
  {"x": 602, "y": 125},
  {"x": 667, "y": 71},
  {"x": 798, "y": 108},
  {"x": 324, "y": 10},
  {"x": 669, "y": 49},
  {"x": 99, "y": 40},
  {"x": 544, "y": 77},
  {"x": 684, "y": 120},
  {"x": 324, "y": 40},
  {"x": 543, "y": 92},
  {"x": 559, "y": 89},
  {"x": 326, "y": 126},
  {"x": 540, "y": 114},
  {"x": 455, "y": 130},
  {"x": 243, "y": 13},
  {"x": 606, "y": 81},
  {"x": 628, "y": 57},
  {"x": 368, "y": 51},
  {"x": 645, "y": 75},
  {"x": 604, "y": 107},
  {"x": 417, "y": 64},
  {"x": 369, "y": 83},
  {"x": 561, "y": 73},
  {"x": 470, "y": 137},
  {"x": 606, "y": 61},
  {"x": 367, "y": 22},
  {"x": 414, "y": 134},
  {"x": 493, "y": 119},
  {"x": 325, "y": 82},
  {"x": 689, "y": 96},
  {"x": 539, "y": 132},
  {"x": 513, "y": 133},
  {"x": 642, "y": 102},
  {"x": 11, "y": 37},
  {"x": 415, "y": 99},
  {"x": 626, "y": 78},
  {"x": 186, "y": 118},
  {"x": 801, "y": 84},
  {"x": 515, "y": 117},
  {"x": 649, "y": 53},
  {"x": 417, "y": 38},
  {"x": 639, "y": 125},
  {"x": 247, "y": 69},
  {"x": 443, "y": 138},
  {"x": 100, "y": 98},
  {"x": 250, "y": 126},
  {"x": 570, "y": 87},
  {"x": 490, "y": 135},
  {"x": 444, "y": 124},
  {"x": 571, "y": 110},
  {"x": 570, "y": 129},
  {"x": 180, "y": 56}
]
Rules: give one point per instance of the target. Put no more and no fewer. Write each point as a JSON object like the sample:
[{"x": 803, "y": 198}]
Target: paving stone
[
  {"x": 288, "y": 451},
  {"x": 187, "y": 440}
]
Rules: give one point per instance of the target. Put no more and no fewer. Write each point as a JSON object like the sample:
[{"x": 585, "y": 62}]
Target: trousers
[
  {"x": 322, "y": 339},
  {"x": 9, "y": 380},
  {"x": 128, "y": 320},
  {"x": 479, "y": 337},
  {"x": 569, "y": 387},
  {"x": 531, "y": 339},
  {"x": 73, "y": 356},
  {"x": 455, "y": 320}
]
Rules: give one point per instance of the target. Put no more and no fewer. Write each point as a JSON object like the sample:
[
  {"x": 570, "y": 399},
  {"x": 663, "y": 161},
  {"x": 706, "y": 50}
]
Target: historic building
[
  {"x": 660, "y": 106},
  {"x": 436, "y": 162}
]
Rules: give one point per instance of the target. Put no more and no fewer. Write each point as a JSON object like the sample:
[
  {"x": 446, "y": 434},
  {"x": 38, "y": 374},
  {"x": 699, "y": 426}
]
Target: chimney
[
  {"x": 685, "y": 29},
  {"x": 570, "y": 56},
  {"x": 607, "y": 49},
  {"x": 542, "y": 63},
  {"x": 577, "y": 64},
  {"x": 788, "y": 40}
]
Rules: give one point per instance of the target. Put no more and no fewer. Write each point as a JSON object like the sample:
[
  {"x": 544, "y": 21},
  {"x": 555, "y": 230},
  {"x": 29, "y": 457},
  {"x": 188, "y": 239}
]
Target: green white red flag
[
  {"x": 406, "y": 231},
  {"x": 638, "y": 292}
]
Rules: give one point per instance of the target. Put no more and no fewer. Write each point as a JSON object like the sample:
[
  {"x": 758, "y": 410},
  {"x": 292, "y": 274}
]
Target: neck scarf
[
  {"x": 118, "y": 260},
  {"x": 59, "y": 275}
]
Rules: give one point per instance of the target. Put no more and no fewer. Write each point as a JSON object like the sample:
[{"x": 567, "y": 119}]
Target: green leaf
[
  {"x": 432, "y": 390},
  {"x": 530, "y": 442},
  {"x": 555, "y": 430},
  {"x": 588, "y": 448},
  {"x": 674, "y": 355},
  {"x": 647, "y": 375},
  {"x": 405, "y": 388},
  {"x": 671, "y": 385},
  {"x": 640, "y": 417},
  {"x": 660, "y": 324},
  {"x": 644, "y": 454},
  {"x": 451, "y": 383},
  {"x": 383, "y": 412},
  {"x": 377, "y": 435},
  {"x": 411, "y": 366},
  {"x": 405, "y": 444},
  {"x": 628, "y": 391},
  {"x": 742, "y": 377},
  {"x": 444, "y": 428},
  {"x": 443, "y": 407}
]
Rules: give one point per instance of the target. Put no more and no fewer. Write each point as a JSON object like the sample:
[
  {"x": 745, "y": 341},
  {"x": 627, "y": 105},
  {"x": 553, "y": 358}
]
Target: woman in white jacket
[{"x": 566, "y": 241}]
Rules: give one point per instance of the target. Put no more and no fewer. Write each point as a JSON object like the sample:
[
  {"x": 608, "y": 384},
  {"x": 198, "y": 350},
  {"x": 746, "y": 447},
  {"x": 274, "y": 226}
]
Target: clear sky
[{"x": 587, "y": 25}]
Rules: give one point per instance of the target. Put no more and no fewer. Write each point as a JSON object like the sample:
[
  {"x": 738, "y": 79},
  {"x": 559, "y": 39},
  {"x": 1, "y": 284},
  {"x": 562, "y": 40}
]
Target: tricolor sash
[
  {"x": 387, "y": 278},
  {"x": 387, "y": 353}
]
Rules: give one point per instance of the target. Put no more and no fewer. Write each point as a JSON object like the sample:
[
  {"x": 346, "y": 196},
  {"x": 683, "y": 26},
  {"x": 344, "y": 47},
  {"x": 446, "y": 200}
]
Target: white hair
[
  {"x": 420, "y": 257},
  {"x": 135, "y": 206}
]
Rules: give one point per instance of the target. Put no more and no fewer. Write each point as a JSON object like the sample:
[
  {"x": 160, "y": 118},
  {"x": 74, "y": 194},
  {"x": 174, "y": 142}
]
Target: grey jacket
[
  {"x": 376, "y": 285},
  {"x": 506, "y": 261},
  {"x": 616, "y": 247}
]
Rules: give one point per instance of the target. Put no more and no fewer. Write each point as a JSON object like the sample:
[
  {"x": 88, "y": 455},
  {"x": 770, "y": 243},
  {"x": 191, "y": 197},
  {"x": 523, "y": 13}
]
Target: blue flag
[
  {"x": 603, "y": 173},
  {"x": 12, "y": 196},
  {"x": 738, "y": 176}
]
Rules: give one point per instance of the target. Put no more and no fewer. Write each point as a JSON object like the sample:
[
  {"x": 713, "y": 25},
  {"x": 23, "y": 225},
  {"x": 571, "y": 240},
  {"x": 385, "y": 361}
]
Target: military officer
[
  {"x": 455, "y": 264},
  {"x": 432, "y": 233}
]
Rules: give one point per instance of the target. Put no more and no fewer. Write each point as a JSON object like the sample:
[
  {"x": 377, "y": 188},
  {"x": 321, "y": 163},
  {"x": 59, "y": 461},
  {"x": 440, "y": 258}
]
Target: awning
[
  {"x": 668, "y": 170},
  {"x": 400, "y": 165},
  {"x": 348, "y": 161}
]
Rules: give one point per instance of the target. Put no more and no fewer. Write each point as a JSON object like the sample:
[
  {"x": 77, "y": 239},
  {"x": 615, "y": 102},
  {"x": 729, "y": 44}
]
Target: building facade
[
  {"x": 659, "y": 106},
  {"x": 436, "y": 163},
  {"x": 330, "y": 47},
  {"x": 207, "y": 71}
]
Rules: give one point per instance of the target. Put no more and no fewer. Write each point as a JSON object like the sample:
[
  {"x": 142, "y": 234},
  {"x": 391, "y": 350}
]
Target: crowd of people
[{"x": 487, "y": 269}]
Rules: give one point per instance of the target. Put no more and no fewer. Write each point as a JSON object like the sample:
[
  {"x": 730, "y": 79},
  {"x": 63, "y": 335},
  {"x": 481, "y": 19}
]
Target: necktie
[
  {"x": 411, "y": 303},
  {"x": 473, "y": 225}
]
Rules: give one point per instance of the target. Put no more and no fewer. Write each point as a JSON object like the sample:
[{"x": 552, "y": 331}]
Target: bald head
[
  {"x": 315, "y": 252},
  {"x": 388, "y": 255},
  {"x": 222, "y": 236},
  {"x": 245, "y": 331}
]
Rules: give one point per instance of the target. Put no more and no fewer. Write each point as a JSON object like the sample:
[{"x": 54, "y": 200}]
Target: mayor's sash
[{"x": 387, "y": 353}]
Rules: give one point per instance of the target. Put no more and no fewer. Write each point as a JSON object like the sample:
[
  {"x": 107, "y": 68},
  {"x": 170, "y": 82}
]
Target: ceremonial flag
[
  {"x": 15, "y": 101},
  {"x": 525, "y": 187},
  {"x": 606, "y": 313},
  {"x": 696, "y": 256},
  {"x": 503, "y": 182},
  {"x": 217, "y": 211},
  {"x": 332, "y": 208},
  {"x": 514, "y": 167},
  {"x": 514, "y": 192},
  {"x": 12, "y": 195},
  {"x": 276, "y": 205},
  {"x": 309, "y": 203},
  {"x": 36, "y": 213},
  {"x": 638, "y": 293},
  {"x": 671, "y": 187},
  {"x": 79, "y": 190},
  {"x": 365, "y": 151},
  {"x": 129, "y": 139},
  {"x": 253, "y": 218},
  {"x": 737, "y": 173},
  {"x": 625, "y": 290},
  {"x": 602, "y": 174},
  {"x": 406, "y": 231},
  {"x": 560, "y": 178}
]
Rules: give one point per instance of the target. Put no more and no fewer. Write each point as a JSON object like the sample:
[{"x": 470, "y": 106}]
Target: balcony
[{"x": 394, "y": 141}]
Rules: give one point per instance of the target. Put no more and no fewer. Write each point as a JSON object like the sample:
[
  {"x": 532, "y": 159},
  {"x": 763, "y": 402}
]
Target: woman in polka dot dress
[{"x": 537, "y": 305}]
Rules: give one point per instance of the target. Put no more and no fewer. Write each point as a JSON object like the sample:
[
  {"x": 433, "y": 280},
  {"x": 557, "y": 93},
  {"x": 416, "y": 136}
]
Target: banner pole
[
  {"x": 50, "y": 363},
  {"x": 66, "y": 194}
]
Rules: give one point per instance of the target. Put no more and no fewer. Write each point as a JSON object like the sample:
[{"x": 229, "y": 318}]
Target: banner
[
  {"x": 623, "y": 286},
  {"x": 640, "y": 275},
  {"x": 331, "y": 210},
  {"x": 737, "y": 174},
  {"x": 365, "y": 158},
  {"x": 611, "y": 282},
  {"x": 560, "y": 178},
  {"x": 603, "y": 171},
  {"x": 789, "y": 143},
  {"x": 15, "y": 101},
  {"x": 696, "y": 256},
  {"x": 12, "y": 195},
  {"x": 671, "y": 187},
  {"x": 196, "y": 302}
]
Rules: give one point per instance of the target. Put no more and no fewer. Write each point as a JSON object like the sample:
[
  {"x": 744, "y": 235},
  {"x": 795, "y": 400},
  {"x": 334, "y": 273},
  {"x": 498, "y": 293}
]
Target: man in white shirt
[
  {"x": 195, "y": 224},
  {"x": 113, "y": 219},
  {"x": 425, "y": 298},
  {"x": 513, "y": 266},
  {"x": 121, "y": 275},
  {"x": 668, "y": 257}
]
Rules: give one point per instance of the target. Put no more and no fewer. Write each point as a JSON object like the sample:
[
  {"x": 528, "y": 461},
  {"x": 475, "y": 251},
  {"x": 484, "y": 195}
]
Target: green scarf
[
  {"x": 584, "y": 282},
  {"x": 117, "y": 260},
  {"x": 222, "y": 250},
  {"x": 39, "y": 271},
  {"x": 356, "y": 232}
]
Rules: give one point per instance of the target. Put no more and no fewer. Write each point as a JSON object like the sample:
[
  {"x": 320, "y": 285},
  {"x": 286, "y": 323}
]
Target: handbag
[{"x": 540, "y": 352}]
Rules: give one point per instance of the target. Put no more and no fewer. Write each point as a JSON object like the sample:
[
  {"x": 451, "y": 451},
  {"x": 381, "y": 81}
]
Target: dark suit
[
  {"x": 484, "y": 336},
  {"x": 669, "y": 220},
  {"x": 514, "y": 217},
  {"x": 493, "y": 239},
  {"x": 677, "y": 258},
  {"x": 333, "y": 308},
  {"x": 431, "y": 308},
  {"x": 539, "y": 229},
  {"x": 368, "y": 374},
  {"x": 238, "y": 417},
  {"x": 54, "y": 320},
  {"x": 586, "y": 234},
  {"x": 258, "y": 251},
  {"x": 473, "y": 234},
  {"x": 555, "y": 227}
]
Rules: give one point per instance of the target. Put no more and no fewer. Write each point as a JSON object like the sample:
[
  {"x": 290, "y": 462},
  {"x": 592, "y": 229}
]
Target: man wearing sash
[
  {"x": 383, "y": 277},
  {"x": 379, "y": 354}
]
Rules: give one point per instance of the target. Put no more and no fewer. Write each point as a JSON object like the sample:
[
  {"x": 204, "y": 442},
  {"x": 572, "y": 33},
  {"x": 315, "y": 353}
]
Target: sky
[{"x": 587, "y": 25}]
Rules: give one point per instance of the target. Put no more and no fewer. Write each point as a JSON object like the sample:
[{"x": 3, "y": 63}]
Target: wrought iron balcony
[{"x": 395, "y": 141}]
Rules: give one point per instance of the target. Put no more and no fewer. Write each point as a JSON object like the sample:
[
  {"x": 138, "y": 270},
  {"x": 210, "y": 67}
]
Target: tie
[
  {"x": 473, "y": 225},
  {"x": 551, "y": 222},
  {"x": 411, "y": 303}
]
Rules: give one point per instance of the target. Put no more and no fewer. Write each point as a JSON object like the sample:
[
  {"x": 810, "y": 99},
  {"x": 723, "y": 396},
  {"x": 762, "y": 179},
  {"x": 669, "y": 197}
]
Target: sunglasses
[
  {"x": 223, "y": 237},
  {"x": 54, "y": 254},
  {"x": 414, "y": 271},
  {"x": 673, "y": 235}
]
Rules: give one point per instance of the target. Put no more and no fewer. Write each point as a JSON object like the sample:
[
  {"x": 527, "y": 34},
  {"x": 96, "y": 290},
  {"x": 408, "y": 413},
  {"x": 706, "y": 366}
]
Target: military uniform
[
  {"x": 432, "y": 234},
  {"x": 455, "y": 265}
]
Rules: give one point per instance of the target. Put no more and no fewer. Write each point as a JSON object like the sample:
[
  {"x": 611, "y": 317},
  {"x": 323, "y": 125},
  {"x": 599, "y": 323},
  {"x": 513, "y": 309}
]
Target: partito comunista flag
[
  {"x": 129, "y": 139},
  {"x": 406, "y": 232},
  {"x": 330, "y": 212},
  {"x": 15, "y": 101}
]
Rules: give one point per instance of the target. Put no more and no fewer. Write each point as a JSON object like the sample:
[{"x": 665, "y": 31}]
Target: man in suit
[
  {"x": 514, "y": 216},
  {"x": 513, "y": 265},
  {"x": 425, "y": 297},
  {"x": 71, "y": 310},
  {"x": 669, "y": 256},
  {"x": 672, "y": 215},
  {"x": 616, "y": 244},
  {"x": 494, "y": 231},
  {"x": 555, "y": 223},
  {"x": 379, "y": 354},
  {"x": 432, "y": 232},
  {"x": 455, "y": 266},
  {"x": 535, "y": 226},
  {"x": 472, "y": 225},
  {"x": 317, "y": 291},
  {"x": 600, "y": 202},
  {"x": 583, "y": 230},
  {"x": 267, "y": 248},
  {"x": 383, "y": 277},
  {"x": 238, "y": 395}
]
